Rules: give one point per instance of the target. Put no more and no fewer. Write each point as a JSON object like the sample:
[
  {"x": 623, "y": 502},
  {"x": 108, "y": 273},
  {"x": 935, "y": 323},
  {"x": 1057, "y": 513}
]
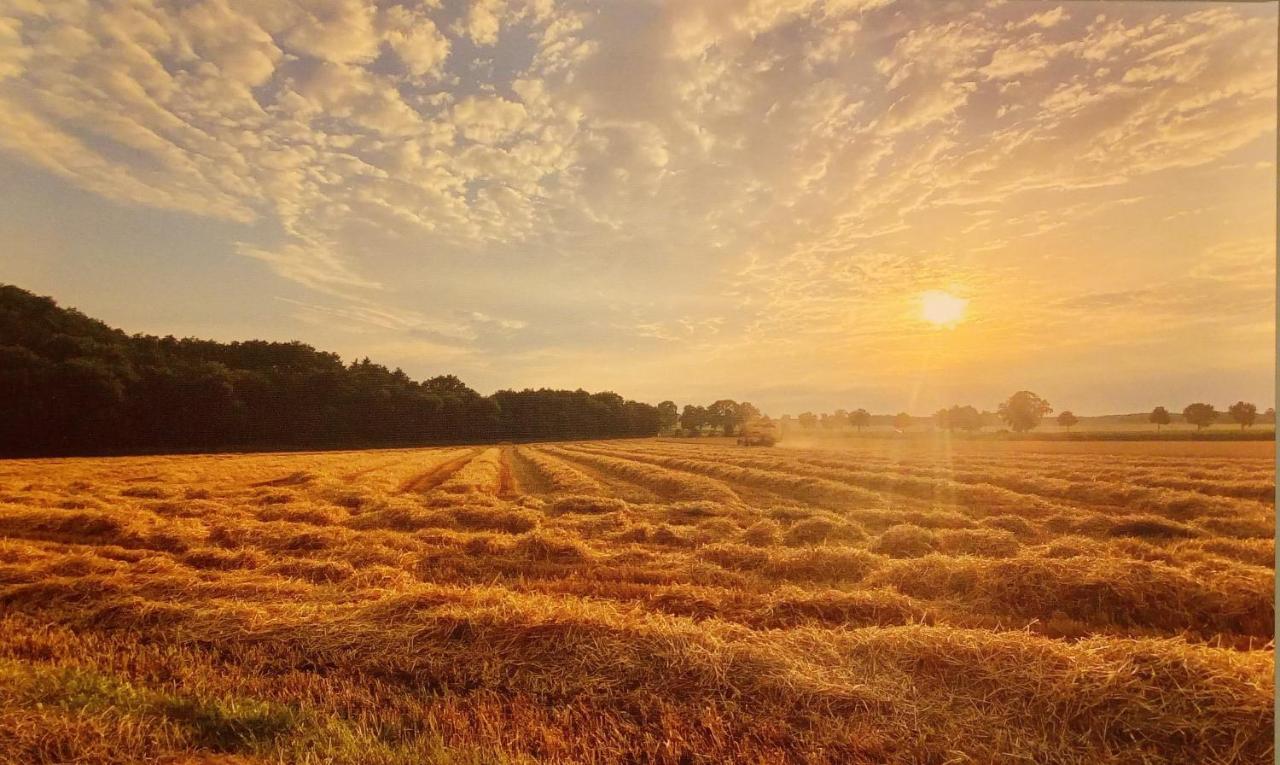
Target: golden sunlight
[{"x": 942, "y": 308}]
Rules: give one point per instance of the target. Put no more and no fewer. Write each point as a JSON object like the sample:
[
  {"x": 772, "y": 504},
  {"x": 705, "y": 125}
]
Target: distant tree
[
  {"x": 746, "y": 412},
  {"x": 1023, "y": 411},
  {"x": 444, "y": 384},
  {"x": 668, "y": 415},
  {"x": 942, "y": 420},
  {"x": 902, "y": 421},
  {"x": 1199, "y": 414},
  {"x": 965, "y": 418},
  {"x": 1160, "y": 416},
  {"x": 1243, "y": 413},
  {"x": 724, "y": 415},
  {"x": 807, "y": 420},
  {"x": 692, "y": 418},
  {"x": 959, "y": 418},
  {"x": 1067, "y": 419},
  {"x": 840, "y": 418},
  {"x": 859, "y": 418}
]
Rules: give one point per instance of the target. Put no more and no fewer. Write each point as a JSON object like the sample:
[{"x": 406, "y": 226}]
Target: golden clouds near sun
[{"x": 942, "y": 308}]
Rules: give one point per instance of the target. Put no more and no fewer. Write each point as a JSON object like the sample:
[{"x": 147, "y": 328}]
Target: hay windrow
[{"x": 761, "y": 605}]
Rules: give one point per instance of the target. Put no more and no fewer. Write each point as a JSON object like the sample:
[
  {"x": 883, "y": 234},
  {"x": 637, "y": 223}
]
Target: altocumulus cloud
[{"x": 716, "y": 176}]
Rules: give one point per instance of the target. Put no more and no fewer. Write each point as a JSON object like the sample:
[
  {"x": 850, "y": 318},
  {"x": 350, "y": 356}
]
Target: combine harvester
[{"x": 758, "y": 431}]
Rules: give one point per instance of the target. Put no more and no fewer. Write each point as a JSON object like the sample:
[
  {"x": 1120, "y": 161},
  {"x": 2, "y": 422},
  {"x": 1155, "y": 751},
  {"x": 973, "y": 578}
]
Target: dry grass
[{"x": 647, "y": 601}]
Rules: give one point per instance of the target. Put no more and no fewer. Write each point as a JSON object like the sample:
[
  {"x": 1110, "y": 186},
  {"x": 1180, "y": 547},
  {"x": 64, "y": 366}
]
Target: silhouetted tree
[
  {"x": 1023, "y": 411},
  {"x": 1160, "y": 416},
  {"x": 902, "y": 421},
  {"x": 1066, "y": 419},
  {"x": 1201, "y": 415},
  {"x": 807, "y": 420},
  {"x": 859, "y": 418},
  {"x": 1243, "y": 413}
]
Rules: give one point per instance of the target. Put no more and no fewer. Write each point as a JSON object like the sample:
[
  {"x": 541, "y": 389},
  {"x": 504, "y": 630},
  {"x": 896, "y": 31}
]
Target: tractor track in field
[
  {"x": 296, "y": 478},
  {"x": 355, "y": 474},
  {"x": 438, "y": 474}
]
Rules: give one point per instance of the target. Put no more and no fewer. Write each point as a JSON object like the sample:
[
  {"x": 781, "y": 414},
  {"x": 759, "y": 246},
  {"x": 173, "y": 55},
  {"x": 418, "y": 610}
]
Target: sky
[{"x": 685, "y": 200}]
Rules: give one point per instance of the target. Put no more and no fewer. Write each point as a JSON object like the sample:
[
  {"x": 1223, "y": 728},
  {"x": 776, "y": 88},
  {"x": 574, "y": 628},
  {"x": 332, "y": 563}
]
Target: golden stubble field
[{"x": 642, "y": 601}]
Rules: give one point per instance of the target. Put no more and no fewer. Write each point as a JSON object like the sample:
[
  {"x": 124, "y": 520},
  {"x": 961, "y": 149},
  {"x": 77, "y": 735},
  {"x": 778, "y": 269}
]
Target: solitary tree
[
  {"x": 1160, "y": 416},
  {"x": 668, "y": 415},
  {"x": 902, "y": 421},
  {"x": 859, "y": 418},
  {"x": 1243, "y": 413},
  {"x": 807, "y": 420},
  {"x": 1024, "y": 410},
  {"x": 1067, "y": 419},
  {"x": 1200, "y": 415}
]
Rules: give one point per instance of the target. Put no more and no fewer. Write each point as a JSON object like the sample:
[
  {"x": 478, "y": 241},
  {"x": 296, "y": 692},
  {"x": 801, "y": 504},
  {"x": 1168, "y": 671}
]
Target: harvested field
[{"x": 642, "y": 601}]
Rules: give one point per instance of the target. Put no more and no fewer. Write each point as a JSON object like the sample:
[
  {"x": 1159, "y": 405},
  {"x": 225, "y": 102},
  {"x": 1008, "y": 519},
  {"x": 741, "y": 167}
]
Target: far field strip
[
  {"x": 814, "y": 491},
  {"x": 1093, "y": 494},
  {"x": 873, "y": 488},
  {"x": 974, "y": 489}
]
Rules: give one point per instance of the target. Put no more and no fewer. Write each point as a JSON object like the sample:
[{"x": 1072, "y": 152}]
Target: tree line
[
  {"x": 724, "y": 416},
  {"x": 71, "y": 384},
  {"x": 1021, "y": 412},
  {"x": 1024, "y": 410}
]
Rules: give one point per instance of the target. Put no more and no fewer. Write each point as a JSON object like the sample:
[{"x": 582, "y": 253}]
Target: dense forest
[{"x": 70, "y": 384}]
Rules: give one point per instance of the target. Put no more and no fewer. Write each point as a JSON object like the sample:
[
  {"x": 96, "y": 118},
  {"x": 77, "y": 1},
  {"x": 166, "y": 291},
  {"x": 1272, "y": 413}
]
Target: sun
[{"x": 942, "y": 308}]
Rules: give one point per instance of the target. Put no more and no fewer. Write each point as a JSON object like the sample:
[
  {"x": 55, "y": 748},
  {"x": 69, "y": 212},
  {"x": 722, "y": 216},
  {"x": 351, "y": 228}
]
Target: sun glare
[{"x": 942, "y": 308}]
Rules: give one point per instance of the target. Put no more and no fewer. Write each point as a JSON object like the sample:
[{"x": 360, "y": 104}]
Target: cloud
[
  {"x": 489, "y": 120},
  {"x": 416, "y": 40},
  {"x": 313, "y": 264},
  {"x": 482, "y": 24},
  {"x": 781, "y": 175},
  {"x": 1045, "y": 20}
]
